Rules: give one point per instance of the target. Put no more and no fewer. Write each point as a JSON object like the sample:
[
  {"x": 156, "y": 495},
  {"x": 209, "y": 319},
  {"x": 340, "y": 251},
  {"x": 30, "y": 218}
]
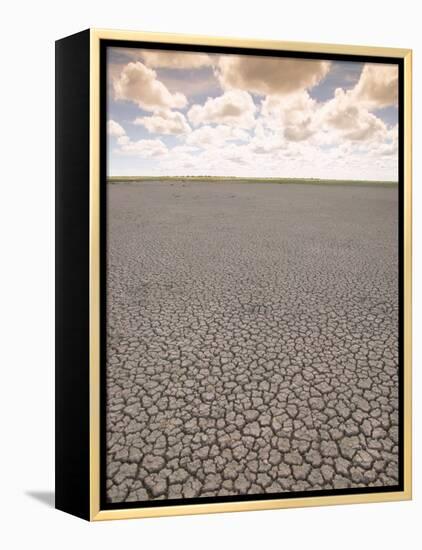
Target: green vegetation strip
[{"x": 228, "y": 179}]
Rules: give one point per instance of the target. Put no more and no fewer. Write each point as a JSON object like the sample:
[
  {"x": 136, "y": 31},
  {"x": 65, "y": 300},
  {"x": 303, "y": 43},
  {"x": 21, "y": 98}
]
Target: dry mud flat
[{"x": 252, "y": 339}]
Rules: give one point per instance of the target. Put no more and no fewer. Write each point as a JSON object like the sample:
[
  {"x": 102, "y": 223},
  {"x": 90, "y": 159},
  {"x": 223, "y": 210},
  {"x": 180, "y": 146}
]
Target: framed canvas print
[{"x": 233, "y": 274}]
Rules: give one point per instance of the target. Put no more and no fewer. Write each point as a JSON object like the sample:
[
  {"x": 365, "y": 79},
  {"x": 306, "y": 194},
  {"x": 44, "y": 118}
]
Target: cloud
[
  {"x": 139, "y": 84},
  {"x": 299, "y": 132},
  {"x": 269, "y": 75},
  {"x": 300, "y": 118},
  {"x": 162, "y": 59},
  {"x": 114, "y": 129},
  {"x": 349, "y": 114},
  {"x": 378, "y": 86},
  {"x": 213, "y": 136},
  {"x": 205, "y": 86},
  {"x": 349, "y": 160},
  {"x": 147, "y": 148},
  {"x": 184, "y": 149},
  {"x": 266, "y": 141},
  {"x": 165, "y": 122},
  {"x": 234, "y": 108},
  {"x": 175, "y": 60},
  {"x": 352, "y": 120},
  {"x": 293, "y": 115},
  {"x": 389, "y": 147}
]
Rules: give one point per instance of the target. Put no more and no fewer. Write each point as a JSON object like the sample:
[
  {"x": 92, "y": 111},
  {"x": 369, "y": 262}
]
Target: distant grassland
[{"x": 229, "y": 179}]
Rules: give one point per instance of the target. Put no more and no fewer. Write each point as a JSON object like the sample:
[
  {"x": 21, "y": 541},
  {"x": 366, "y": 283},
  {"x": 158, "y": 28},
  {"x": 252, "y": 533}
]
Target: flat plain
[{"x": 252, "y": 338}]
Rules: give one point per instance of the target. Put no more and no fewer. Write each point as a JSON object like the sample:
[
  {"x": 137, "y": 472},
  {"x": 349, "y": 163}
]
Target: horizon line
[{"x": 250, "y": 178}]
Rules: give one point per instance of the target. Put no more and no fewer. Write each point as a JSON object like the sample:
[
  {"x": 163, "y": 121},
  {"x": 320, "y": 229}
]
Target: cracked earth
[{"x": 252, "y": 342}]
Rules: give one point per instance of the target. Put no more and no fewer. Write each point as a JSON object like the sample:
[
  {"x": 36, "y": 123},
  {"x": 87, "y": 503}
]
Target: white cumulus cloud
[
  {"x": 234, "y": 108},
  {"x": 139, "y": 84},
  {"x": 175, "y": 60},
  {"x": 378, "y": 85},
  {"x": 292, "y": 115},
  {"x": 269, "y": 75},
  {"x": 212, "y": 136},
  {"x": 115, "y": 129},
  {"x": 147, "y": 148},
  {"x": 351, "y": 119},
  {"x": 165, "y": 122}
]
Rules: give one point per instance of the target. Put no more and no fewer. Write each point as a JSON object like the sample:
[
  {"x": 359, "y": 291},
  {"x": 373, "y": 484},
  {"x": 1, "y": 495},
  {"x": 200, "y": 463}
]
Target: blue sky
[{"x": 179, "y": 113}]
